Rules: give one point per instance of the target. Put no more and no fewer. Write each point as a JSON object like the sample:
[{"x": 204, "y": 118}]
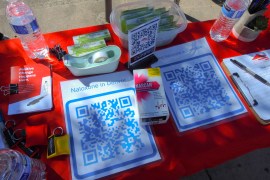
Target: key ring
[
  {"x": 22, "y": 133},
  {"x": 6, "y": 123},
  {"x": 58, "y": 128}
]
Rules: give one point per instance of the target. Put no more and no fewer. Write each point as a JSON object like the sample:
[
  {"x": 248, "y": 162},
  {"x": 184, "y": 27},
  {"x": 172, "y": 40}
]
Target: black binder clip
[
  {"x": 9, "y": 134},
  {"x": 58, "y": 52},
  {"x": 32, "y": 151},
  {"x": 255, "y": 102},
  {"x": 11, "y": 89},
  {"x": 15, "y": 139}
]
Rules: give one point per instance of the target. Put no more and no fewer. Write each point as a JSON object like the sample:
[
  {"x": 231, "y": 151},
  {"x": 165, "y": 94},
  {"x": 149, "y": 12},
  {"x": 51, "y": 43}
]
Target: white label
[{"x": 230, "y": 12}]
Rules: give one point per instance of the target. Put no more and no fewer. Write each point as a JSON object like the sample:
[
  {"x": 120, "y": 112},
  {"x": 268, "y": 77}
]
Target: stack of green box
[
  {"x": 87, "y": 43},
  {"x": 135, "y": 17}
]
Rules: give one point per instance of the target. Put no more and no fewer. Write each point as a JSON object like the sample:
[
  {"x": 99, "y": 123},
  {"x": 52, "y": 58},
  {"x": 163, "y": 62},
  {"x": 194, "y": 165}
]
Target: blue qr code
[
  {"x": 108, "y": 129},
  {"x": 143, "y": 39},
  {"x": 197, "y": 89}
]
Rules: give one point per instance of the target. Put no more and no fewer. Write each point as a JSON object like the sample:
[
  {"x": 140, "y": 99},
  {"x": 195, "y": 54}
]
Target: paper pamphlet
[
  {"x": 252, "y": 89},
  {"x": 34, "y": 89},
  {"x": 102, "y": 120},
  {"x": 197, "y": 89}
]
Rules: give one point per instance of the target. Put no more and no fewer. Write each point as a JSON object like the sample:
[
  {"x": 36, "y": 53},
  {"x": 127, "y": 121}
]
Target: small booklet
[
  {"x": 251, "y": 75},
  {"x": 30, "y": 89}
]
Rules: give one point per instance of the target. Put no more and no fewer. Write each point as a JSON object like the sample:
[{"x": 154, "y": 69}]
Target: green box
[
  {"x": 91, "y": 37},
  {"x": 79, "y": 50}
]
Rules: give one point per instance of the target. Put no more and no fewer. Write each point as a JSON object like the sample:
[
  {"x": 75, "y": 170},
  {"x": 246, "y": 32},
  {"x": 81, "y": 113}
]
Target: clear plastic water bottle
[
  {"x": 24, "y": 24},
  {"x": 230, "y": 13},
  {"x": 14, "y": 165}
]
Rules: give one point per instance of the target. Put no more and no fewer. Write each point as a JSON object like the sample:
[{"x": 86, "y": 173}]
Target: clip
[
  {"x": 143, "y": 63},
  {"x": 255, "y": 102},
  {"x": 11, "y": 89},
  {"x": 16, "y": 89},
  {"x": 58, "y": 52},
  {"x": 31, "y": 151},
  {"x": 10, "y": 137},
  {"x": 17, "y": 138}
]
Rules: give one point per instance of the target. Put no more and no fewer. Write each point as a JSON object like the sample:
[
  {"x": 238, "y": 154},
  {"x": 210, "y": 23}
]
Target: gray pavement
[{"x": 56, "y": 15}]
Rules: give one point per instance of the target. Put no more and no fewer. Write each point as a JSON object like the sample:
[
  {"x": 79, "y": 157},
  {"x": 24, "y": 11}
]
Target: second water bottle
[{"x": 230, "y": 13}]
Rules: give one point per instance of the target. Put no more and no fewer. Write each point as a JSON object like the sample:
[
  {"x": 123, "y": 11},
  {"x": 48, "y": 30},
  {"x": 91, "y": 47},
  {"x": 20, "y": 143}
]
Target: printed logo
[
  {"x": 261, "y": 56},
  {"x": 160, "y": 105},
  {"x": 147, "y": 86}
]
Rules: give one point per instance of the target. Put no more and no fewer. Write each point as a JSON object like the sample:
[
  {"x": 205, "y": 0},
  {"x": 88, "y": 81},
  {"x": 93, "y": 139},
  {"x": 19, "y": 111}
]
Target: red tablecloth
[{"x": 182, "y": 153}]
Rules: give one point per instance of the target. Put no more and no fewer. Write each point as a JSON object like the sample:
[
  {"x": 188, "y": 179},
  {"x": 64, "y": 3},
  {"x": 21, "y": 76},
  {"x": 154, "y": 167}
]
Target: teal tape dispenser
[{"x": 104, "y": 60}]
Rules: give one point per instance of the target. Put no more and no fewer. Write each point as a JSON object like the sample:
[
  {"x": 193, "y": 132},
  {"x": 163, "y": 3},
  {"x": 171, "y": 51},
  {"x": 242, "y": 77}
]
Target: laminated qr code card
[
  {"x": 142, "y": 41},
  {"x": 197, "y": 89},
  {"x": 102, "y": 121}
]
